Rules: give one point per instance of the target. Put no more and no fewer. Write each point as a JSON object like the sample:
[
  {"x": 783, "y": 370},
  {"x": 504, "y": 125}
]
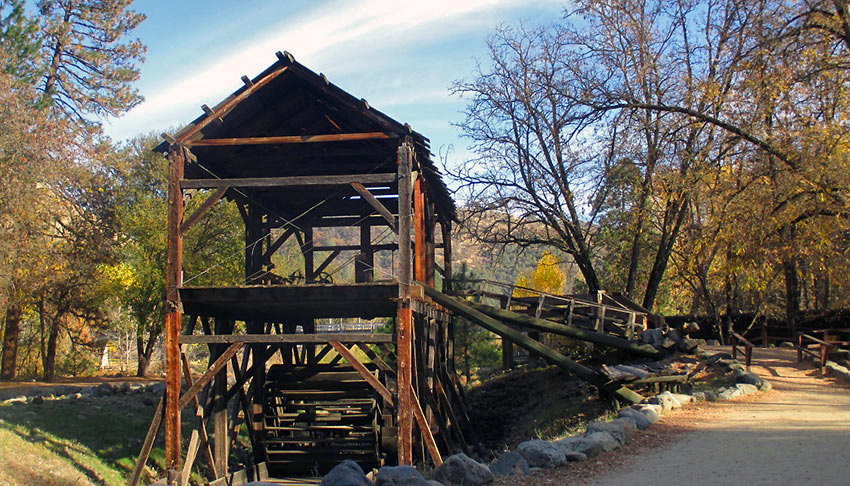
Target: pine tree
[
  {"x": 19, "y": 44},
  {"x": 90, "y": 65}
]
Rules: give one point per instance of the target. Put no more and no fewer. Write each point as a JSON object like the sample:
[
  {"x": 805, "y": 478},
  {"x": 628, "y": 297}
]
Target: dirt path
[{"x": 798, "y": 433}]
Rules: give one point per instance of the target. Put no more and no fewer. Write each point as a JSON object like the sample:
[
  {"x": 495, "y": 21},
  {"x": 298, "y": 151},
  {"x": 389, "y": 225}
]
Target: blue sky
[{"x": 401, "y": 57}]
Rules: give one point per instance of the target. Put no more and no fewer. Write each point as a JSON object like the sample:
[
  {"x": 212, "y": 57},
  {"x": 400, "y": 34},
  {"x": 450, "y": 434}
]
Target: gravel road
[{"x": 797, "y": 434}]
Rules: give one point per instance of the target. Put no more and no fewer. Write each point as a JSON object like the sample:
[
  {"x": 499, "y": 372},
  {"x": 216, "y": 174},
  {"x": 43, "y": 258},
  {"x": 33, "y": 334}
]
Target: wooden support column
[
  {"x": 419, "y": 273},
  {"x": 221, "y": 449},
  {"x": 173, "y": 317},
  {"x": 430, "y": 246},
  {"x": 446, "y": 227},
  {"x": 405, "y": 316},
  {"x": 365, "y": 261},
  {"x": 307, "y": 251}
]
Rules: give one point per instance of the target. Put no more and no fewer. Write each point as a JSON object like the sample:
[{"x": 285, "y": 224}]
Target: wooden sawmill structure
[{"x": 297, "y": 155}]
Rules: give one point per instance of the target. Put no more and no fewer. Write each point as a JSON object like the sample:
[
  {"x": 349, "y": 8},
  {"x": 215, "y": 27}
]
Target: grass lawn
[{"x": 83, "y": 441}]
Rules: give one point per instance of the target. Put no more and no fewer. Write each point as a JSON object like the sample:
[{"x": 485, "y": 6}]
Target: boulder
[
  {"x": 620, "y": 428},
  {"x": 540, "y": 453},
  {"x": 346, "y": 473},
  {"x": 688, "y": 346},
  {"x": 461, "y": 470},
  {"x": 712, "y": 342},
  {"x": 603, "y": 440},
  {"x": 510, "y": 464},
  {"x": 641, "y": 420},
  {"x": 37, "y": 400},
  {"x": 666, "y": 400},
  {"x": 652, "y": 336},
  {"x": 765, "y": 386},
  {"x": 399, "y": 476},
  {"x": 690, "y": 328},
  {"x": 651, "y": 412},
  {"x": 749, "y": 378},
  {"x": 746, "y": 388},
  {"x": 682, "y": 398},
  {"x": 573, "y": 456},
  {"x": 728, "y": 393},
  {"x": 589, "y": 448},
  {"x": 786, "y": 344}
]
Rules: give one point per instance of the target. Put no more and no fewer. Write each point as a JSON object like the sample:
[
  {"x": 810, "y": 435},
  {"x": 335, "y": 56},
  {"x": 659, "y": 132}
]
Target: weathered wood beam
[
  {"x": 375, "y": 203},
  {"x": 174, "y": 314},
  {"x": 594, "y": 378},
  {"x": 226, "y": 106},
  {"x": 199, "y": 435},
  {"x": 430, "y": 443},
  {"x": 147, "y": 445},
  {"x": 276, "y": 244},
  {"x": 291, "y": 181},
  {"x": 288, "y": 338},
  {"x": 538, "y": 324},
  {"x": 330, "y": 137},
  {"x": 371, "y": 379},
  {"x": 208, "y": 375},
  {"x": 384, "y": 246},
  {"x": 202, "y": 209},
  {"x": 322, "y": 266},
  {"x": 404, "y": 322}
]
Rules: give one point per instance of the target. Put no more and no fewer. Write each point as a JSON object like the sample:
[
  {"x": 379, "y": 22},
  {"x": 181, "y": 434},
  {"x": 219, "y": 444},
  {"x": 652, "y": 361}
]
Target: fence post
[{"x": 799, "y": 347}]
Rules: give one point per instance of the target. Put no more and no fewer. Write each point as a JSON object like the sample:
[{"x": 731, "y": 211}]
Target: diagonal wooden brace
[
  {"x": 373, "y": 201},
  {"x": 219, "y": 363},
  {"x": 369, "y": 377}
]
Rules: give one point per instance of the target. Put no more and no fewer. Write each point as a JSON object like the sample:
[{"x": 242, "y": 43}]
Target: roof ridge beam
[{"x": 329, "y": 137}]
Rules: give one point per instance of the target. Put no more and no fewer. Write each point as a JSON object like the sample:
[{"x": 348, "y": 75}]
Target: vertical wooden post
[
  {"x": 405, "y": 316},
  {"x": 219, "y": 391},
  {"x": 308, "y": 256},
  {"x": 173, "y": 317},
  {"x": 419, "y": 273},
  {"x": 447, "y": 256},
  {"x": 430, "y": 227},
  {"x": 364, "y": 263}
]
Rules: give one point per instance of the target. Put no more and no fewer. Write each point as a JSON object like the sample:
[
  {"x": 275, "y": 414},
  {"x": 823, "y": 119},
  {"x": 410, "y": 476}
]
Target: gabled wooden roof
[{"x": 337, "y": 134}]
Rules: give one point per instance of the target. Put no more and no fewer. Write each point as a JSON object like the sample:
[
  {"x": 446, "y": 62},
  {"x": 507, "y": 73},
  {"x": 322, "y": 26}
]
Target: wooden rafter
[
  {"x": 330, "y": 137},
  {"x": 228, "y": 105}
]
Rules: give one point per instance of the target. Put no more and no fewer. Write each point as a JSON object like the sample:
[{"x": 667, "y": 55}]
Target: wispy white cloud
[{"x": 323, "y": 34}]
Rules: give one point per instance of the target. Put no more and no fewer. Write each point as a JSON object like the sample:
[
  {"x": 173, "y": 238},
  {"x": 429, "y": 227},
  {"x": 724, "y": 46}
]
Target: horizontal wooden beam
[
  {"x": 287, "y": 338},
  {"x": 331, "y": 137},
  {"x": 383, "y": 246},
  {"x": 318, "y": 180}
]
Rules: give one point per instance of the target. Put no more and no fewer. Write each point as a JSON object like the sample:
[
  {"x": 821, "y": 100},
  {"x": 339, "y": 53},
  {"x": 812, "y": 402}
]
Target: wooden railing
[
  {"x": 807, "y": 340},
  {"x": 746, "y": 348}
]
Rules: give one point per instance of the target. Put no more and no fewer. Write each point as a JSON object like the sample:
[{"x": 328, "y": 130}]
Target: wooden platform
[{"x": 277, "y": 303}]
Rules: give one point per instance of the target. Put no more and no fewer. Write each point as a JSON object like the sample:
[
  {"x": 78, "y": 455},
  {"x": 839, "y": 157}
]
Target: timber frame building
[{"x": 296, "y": 153}]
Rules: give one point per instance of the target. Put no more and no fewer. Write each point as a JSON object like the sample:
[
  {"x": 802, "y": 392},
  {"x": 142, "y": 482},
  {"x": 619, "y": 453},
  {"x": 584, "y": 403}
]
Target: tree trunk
[
  {"x": 665, "y": 248},
  {"x": 50, "y": 357},
  {"x": 145, "y": 351},
  {"x": 10, "y": 342},
  {"x": 792, "y": 280}
]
